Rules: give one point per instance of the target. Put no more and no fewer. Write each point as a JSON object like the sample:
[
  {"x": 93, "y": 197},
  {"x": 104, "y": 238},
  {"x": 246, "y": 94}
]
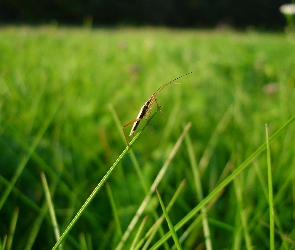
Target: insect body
[{"x": 146, "y": 109}]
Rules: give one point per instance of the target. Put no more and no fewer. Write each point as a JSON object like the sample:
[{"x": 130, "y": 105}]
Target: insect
[{"x": 146, "y": 109}]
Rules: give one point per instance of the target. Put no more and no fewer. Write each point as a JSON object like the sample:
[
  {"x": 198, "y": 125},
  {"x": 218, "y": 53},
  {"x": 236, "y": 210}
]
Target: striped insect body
[{"x": 146, "y": 109}]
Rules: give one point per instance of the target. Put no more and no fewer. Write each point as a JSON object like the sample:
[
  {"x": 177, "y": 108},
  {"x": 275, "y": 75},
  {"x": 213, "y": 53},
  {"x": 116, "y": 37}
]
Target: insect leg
[
  {"x": 128, "y": 124},
  {"x": 158, "y": 106}
]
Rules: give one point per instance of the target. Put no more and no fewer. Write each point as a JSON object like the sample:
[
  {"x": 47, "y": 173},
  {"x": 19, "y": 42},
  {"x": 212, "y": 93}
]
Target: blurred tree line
[{"x": 177, "y": 13}]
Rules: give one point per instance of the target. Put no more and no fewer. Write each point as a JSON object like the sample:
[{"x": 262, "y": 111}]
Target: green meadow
[{"x": 221, "y": 154}]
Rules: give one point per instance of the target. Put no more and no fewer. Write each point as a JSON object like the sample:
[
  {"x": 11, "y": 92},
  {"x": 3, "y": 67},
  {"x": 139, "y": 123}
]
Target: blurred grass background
[{"x": 59, "y": 88}]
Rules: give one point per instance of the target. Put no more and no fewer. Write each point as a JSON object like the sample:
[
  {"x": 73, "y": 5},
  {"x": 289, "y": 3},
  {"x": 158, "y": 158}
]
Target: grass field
[{"x": 67, "y": 92}]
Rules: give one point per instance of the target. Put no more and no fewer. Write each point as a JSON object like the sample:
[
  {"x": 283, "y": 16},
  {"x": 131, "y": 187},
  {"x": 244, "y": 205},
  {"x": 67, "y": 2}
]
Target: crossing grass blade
[
  {"x": 170, "y": 225},
  {"x": 153, "y": 230}
]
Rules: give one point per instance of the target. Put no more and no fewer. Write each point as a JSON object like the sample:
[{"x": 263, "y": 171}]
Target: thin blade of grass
[
  {"x": 36, "y": 226},
  {"x": 3, "y": 242},
  {"x": 39, "y": 218},
  {"x": 237, "y": 238},
  {"x": 138, "y": 232},
  {"x": 204, "y": 162},
  {"x": 242, "y": 212},
  {"x": 51, "y": 208},
  {"x": 12, "y": 229},
  {"x": 170, "y": 225},
  {"x": 115, "y": 212},
  {"x": 152, "y": 231},
  {"x": 199, "y": 191},
  {"x": 270, "y": 192},
  {"x": 100, "y": 185},
  {"x": 82, "y": 241}
]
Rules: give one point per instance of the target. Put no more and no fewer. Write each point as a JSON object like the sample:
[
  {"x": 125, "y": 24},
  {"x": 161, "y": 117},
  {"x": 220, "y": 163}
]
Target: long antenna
[{"x": 163, "y": 86}]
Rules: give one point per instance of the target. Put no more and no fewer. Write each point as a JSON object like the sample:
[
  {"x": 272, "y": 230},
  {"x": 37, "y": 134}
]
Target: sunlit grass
[{"x": 65, "y": 94}]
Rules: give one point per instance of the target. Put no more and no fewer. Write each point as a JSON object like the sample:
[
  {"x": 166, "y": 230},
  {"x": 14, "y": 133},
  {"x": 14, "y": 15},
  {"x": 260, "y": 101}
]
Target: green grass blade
[
  {"x": 151, "y": 233},
  {"x": 3, "y": 242},
  {"x": 114, "y": 210},
  {"x": 135, "y": 240},
  {"x": 221, "y": 126},
  {"x": 12, "y": 228},
  {"x": 36, "y": 226},
  {"x": 241, "y": 211},
  {"x": 270, "y": 192},
  {"x": 35, "y": 229},
  {"x": 170, "y": 225},
  {"x": 51, "y": 208},
  {"x": 199, "y": 191},
  {"x": 100, "y": 185}
]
